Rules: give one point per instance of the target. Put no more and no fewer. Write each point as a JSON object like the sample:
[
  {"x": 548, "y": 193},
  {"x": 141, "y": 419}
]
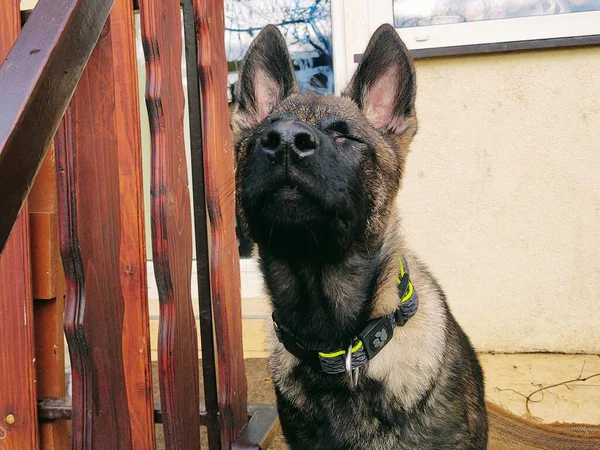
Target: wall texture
[
  {"x": 502, "y": 195},
  {"x": 28, "y": 4}
]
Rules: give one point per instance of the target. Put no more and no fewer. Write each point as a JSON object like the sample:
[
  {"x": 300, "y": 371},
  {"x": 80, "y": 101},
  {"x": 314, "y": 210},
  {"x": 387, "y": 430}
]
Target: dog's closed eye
[
  {"x": 338, "y": 137},
  {"x": 340, "y": 132}
]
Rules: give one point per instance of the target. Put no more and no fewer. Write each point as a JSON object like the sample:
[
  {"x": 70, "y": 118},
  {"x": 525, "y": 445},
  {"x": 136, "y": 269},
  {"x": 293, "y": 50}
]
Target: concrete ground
[{"x": 508, "y": 379}]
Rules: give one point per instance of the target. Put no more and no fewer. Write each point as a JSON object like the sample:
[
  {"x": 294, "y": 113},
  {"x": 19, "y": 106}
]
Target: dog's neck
[{"x": 324, "y": 305}]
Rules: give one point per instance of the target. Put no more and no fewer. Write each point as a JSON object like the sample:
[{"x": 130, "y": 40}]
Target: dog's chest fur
[{"x": 411, "y": 395}]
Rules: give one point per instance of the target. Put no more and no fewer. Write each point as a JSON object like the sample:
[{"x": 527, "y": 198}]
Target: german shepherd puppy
[{"x": 317, "y": 179}]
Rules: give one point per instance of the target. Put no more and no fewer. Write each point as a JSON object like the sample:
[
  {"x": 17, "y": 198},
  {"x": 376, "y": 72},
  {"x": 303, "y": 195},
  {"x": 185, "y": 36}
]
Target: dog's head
[{"x": 318, "y": 175}]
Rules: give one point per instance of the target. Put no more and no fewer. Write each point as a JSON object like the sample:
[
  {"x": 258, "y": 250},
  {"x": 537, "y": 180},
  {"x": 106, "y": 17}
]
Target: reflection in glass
[
  {"x": 306, "y": 26},
  {"x": 415, "y": 13}
]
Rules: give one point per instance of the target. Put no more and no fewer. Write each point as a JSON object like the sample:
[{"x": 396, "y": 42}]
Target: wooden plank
[
  {"x": 47, "y": 273},
  {"x": 102, "y": 245},
  {"x": 209, "y": 368},
  {"x": 36, "y": 83},
  {"x": 136, "y": 334},
  {"x": 171, "y": 224},
  {"x": 18, "y": 409},
  {"x": 48, "y": 294},
  {"x": 18, "y": 418},
  {"x": 50, "y": 367},
  {"x": 220, "y": 200}
]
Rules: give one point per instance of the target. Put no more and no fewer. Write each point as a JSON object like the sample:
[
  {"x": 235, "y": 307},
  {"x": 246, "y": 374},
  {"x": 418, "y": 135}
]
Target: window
[
  {"x": 426, "y": 24},
  {"x": 418, "y": 13},
  {"x": 306, "y": 26}
]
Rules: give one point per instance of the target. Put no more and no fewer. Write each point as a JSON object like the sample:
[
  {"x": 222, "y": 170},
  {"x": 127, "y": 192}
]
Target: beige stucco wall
[
  {"x": 502, "y": 195},
  {"x": 28, "y": 4}
]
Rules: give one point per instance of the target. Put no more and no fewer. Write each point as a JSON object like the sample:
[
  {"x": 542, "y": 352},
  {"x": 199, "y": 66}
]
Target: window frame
[
  {"x": 351, "y": 36},
  {"x": 488, "y": 31}
]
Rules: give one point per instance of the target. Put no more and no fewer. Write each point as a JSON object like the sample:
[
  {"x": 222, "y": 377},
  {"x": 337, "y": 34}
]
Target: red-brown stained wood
[
  {"x": 36, "y": 82},
  {"x": 201, "y": 230},
  {"x": 136, "y": 333},
  {"x": 48, "y": 294},
  {"x": 50, "y": 367},
  {"x": 171, "y": 225},
  {"x": 102, "y": 244},
  {"x": 219, "y": 186},
  {"x": 18, "y": 408},
  {"x": 47, "y": 272}
]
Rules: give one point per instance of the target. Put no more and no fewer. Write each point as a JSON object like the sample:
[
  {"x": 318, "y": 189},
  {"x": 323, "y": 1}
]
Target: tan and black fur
[{"x": 317, "y": 179}]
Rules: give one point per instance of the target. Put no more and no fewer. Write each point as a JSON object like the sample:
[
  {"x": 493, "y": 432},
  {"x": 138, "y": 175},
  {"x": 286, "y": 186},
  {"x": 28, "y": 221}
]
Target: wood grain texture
[
  {"x": 47, "y": 273},
  {"x": 48, "y": 295},
  {"x": 18, "y": 409},
  {"x": 18, "y": 415},
  {"x": 220, "y": 200},
  {"x": 171, "y": 224},
  {"x": 102, "y": 245},
  {"x": 37, "y": 80},
  {"x": 50, "y": 367},
  {"x": 209, "y": 367},
  {"x": 136, "y": 332}
]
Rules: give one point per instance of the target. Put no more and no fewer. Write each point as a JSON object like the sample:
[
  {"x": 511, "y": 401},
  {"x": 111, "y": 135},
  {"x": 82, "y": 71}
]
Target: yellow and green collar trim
[{"x": 370, "y": 340}]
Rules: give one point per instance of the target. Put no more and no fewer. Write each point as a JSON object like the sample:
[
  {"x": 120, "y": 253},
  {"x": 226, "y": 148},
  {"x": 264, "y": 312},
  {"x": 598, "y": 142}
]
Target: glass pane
[
  {"x": 306, "y": 26},
  {"x": 415, "y": 13}
]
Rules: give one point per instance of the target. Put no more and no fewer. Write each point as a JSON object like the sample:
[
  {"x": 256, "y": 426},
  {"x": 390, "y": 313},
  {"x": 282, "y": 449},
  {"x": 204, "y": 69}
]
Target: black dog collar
[{"x": 369, "y": 341}]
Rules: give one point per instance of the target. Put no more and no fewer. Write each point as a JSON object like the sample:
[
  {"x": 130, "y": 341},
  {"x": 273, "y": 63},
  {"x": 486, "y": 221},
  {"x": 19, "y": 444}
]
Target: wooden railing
[
  {"x": 37, "y": 81},
  {"x": 87, "y": 201}
]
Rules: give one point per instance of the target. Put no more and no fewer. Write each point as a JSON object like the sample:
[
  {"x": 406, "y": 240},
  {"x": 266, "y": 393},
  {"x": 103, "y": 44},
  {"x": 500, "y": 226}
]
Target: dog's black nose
[{"x": 288, "y": 141}]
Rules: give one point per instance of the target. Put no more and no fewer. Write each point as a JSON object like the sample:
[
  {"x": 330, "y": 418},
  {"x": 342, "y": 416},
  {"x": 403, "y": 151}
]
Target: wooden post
[
  {"x": 18, "y": 408},
  {"x": 202, "y": 231},
  {"x": 48, "y": 295},
  {"x": 220, "y": 200},
  {"x": 102, "y": 245},
  {"x": 171, "y": 225}
]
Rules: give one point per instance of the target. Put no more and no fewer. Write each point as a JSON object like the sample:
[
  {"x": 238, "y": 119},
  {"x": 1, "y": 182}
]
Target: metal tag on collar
[
  {"x": 351, "y": 373},
  {"x": 376, "y": 335}
]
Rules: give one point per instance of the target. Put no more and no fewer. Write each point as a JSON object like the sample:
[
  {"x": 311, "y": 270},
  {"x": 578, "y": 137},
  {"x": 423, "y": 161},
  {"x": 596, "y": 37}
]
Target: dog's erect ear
[
  {"x": 266, "y": 78},
  {"x": 384, "y": 84}
]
